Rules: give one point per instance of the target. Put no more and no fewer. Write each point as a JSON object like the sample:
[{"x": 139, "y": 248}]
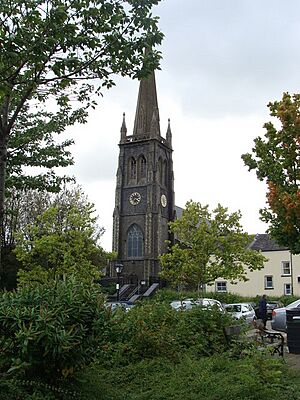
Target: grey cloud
[{"x": 230, "y": 57}]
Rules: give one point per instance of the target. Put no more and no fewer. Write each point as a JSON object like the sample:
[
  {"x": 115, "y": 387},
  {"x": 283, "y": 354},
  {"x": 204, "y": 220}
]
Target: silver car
[
  {"x": 241, "y": 311},
  {"x": 278, "y": 322},
  {"x": 187, "y": 304}
]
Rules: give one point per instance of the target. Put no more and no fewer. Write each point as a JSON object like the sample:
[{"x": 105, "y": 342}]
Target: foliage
[
  {"x": 286, "y": 300},
  {"x": 51, "y": 330},
  {"x": 171, "y": 294},
  {"x": 211, "y": 245},
  {"x": 61, "y": 242},
  {"x": 25, "y": 207},
  {"x": 55, "y": 54},
  {"x": 276, "y": 159},
  {"x": 34, "y": 147},
  {"x": 210, "y": 378},
  {"x": 154, "y": 329},
  {"x": 16, "y": 389}
]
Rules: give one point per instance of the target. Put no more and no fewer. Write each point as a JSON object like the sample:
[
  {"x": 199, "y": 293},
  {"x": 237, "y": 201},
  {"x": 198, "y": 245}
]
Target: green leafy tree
[
  {"x": 60, "y": 242},
  {"x": 63, "y": 51},
  {"x": 276, "y": 159},
  {"x": 34, "y": 142},
  {"x": 210, "y": 245}
]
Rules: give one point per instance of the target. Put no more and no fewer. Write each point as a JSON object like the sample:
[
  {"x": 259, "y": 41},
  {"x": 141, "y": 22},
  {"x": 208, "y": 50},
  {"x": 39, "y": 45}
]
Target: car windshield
[
  {"x": 294, "y": 304},
  {"x": 233, "y": 308}
]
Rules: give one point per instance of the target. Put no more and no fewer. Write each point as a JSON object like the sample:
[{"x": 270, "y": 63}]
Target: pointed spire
[
  {"x": 169, "y": 134},
  {"x": 123, "y": 129},
  {"x": 147, "y": 114}
]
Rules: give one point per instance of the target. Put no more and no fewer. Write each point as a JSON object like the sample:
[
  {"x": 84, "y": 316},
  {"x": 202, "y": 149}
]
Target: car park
[
  {"x": 241, "y": 311},
  {"x": 278, "y": 322}
]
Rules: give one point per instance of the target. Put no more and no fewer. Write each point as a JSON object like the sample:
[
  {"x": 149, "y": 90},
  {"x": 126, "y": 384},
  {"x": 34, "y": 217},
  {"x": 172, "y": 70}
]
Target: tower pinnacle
[
  {"x": 169, "y": 134},
  {"x": 123, "y": 129}
]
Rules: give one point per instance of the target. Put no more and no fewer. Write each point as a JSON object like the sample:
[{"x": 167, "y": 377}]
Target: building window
[
  {"x": 142, "y": 167},
  {"x": 165, "y": 181},
  {"x": 287, "y": 289},
  {"x": 221, "y": 286},
  {"x": 160, "y": 171},
  {"x": 135, "y": 242},
  {"x": 285, "y": 268},
  {"x": 132, "y": 168},
  {"x": 269, "y": 282}
]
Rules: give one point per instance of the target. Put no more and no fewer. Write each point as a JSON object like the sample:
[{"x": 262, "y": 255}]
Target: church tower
[{"x": 144, "y": 201}]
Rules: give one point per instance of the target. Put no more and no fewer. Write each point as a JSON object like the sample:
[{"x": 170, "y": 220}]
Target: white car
[
  {"x": 187, "y": 304},
  {"x": 241, "y": 311}
]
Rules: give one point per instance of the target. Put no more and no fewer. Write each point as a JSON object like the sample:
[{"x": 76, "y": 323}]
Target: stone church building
[
  {"x": 144, "y": 205},
  {"x": 144, "y": 197}
]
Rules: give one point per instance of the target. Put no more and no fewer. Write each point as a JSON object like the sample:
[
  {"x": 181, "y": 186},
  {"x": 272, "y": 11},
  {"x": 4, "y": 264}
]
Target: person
[{"x": 262, "y": 309}]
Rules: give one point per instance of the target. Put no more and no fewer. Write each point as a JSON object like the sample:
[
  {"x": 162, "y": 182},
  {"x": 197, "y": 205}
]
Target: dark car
[{"x": 271, "y": 305}]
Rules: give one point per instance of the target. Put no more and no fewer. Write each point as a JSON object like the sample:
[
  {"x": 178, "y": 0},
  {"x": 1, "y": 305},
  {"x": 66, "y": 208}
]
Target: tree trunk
[{"x": 3, "y": 160}]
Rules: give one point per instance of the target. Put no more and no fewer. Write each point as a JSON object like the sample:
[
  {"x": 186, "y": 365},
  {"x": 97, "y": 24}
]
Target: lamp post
[
  {"x": 118, "y": 268},
  {"x": 141, "y": 285}
]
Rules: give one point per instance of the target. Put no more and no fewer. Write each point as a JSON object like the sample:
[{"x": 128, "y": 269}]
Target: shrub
[
  {"x": 169, "y": 295},
  {"x": 209, "y": 378},
  {"x": 156, "y": 330},
  {"x": 51, "y": 330}
]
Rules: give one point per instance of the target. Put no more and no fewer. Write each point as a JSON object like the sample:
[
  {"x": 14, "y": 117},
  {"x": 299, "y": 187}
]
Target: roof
[
  {"x": 178, "y": 212},
  {"x": 263, "y": 242}
]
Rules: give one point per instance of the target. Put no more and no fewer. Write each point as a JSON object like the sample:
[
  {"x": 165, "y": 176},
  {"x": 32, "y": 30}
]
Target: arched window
[
  {"x": 165, "y": 181},
  {"x": 160, "y": 170},
  {"x": 135, "y": 242},
  {"x": 132, "y": 168},
  {"x": 142, "y": 168}
]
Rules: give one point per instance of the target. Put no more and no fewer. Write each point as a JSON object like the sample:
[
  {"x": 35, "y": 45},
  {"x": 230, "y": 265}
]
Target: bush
[
  {"x": 288, "y": 299},
  {"x": 156, "y": 330},
  {"x": 51, "y": 330},
  {"x": 169, "y": 295},
  {"x": 209, "y": 378}
]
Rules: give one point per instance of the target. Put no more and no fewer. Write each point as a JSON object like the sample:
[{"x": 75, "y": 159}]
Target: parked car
[
  {"x": 271, "y": 305},
  {"x": 241, "y": 311},
  {"x": 187, "y": 304},
  {"x": 113, "y": 305},
  {"x": 278, "y": 322}
]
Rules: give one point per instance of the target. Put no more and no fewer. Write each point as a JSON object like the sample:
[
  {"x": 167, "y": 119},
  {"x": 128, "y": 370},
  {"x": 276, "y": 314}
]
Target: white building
[{"x": 279, "y": 276}]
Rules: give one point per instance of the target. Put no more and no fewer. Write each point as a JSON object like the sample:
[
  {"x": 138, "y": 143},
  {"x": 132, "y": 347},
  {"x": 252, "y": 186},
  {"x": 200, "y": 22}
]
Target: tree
[
  {"x": 276, "y": 159},
  {"x": 61, "y": 241},
  {"x": 210, "y": 245},
  {"x": 63, "y": 51},
  {"x": 34, "y": 143}
]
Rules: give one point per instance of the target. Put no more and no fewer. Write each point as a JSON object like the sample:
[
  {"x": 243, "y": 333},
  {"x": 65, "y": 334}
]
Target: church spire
[
  {"x": 147, "y": 114},
  {"x": 123, "y": 129}
]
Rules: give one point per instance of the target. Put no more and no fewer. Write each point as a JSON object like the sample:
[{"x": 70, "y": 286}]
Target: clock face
[
  {"x": 163, "y": 200},
  {"x": 135, "y": 198}
]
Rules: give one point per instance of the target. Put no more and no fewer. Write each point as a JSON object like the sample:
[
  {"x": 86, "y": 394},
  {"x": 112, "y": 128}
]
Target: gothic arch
[
  {"x": 132, "y": 169},
  {"x": 160, "y": 170},
  {"x": 165, "y": 173},
  {"x": 142, "y": 167},
  {"x": 135, "y": 242}
]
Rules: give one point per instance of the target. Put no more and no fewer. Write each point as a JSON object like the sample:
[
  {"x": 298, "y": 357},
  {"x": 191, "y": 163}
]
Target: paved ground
[{"x": 293, "y": 360}]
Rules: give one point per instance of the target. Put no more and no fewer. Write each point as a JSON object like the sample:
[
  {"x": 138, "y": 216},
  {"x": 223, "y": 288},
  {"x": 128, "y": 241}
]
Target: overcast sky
[{"x": 223, "y": 61}]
